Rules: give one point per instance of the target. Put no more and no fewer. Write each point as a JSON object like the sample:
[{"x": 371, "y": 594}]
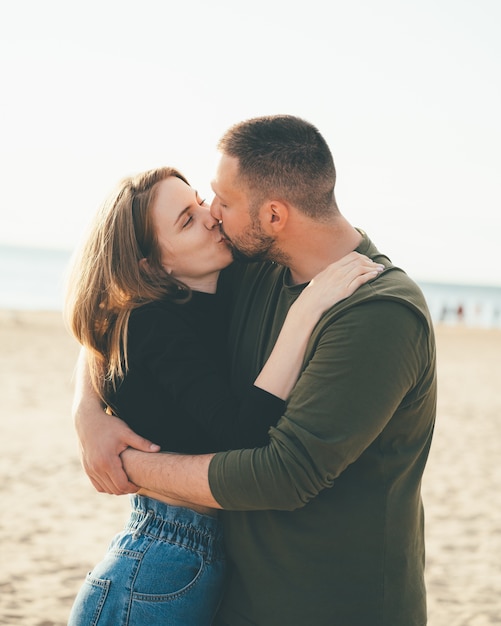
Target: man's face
[{"x": 232, "y": 206}]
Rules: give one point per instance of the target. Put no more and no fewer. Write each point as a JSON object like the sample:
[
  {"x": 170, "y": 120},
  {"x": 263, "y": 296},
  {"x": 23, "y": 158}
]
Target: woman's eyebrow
[{"x": 183, "y": 212}]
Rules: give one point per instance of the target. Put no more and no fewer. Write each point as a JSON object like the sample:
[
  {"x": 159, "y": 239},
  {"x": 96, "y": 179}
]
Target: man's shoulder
[{"x": 393, "y": 286}]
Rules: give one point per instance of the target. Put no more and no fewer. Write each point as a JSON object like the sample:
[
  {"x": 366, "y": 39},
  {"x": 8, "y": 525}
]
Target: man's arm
[
  {"x": 100, "y": 457},
  {"x": 100, "y": 452},
  {"x": 178, "y": 476},
  {"x": 306, "y": 454},
  {"x": 362, "y": 366}
]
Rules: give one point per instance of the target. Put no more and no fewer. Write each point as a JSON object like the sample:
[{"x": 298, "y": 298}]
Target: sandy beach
[{"x": 54, "y": 526}]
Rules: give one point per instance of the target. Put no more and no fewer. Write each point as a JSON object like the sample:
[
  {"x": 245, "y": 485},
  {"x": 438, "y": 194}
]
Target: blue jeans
[{"x": 167, "y": 567}]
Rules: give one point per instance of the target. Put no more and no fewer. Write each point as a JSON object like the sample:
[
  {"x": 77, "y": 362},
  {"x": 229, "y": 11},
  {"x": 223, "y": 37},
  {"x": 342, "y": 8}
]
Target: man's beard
[{"x": 255, "y": 245}]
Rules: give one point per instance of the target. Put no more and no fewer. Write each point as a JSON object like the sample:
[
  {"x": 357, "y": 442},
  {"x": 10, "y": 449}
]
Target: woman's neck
[{"x": 205, "y": 284}]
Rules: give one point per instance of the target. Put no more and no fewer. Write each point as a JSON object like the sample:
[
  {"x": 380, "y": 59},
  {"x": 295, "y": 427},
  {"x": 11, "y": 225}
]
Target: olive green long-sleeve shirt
[{"x": 324, "y": 525}]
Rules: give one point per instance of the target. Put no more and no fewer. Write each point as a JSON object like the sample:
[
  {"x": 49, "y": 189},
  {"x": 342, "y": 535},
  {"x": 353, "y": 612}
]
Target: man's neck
[{"x": 318, "y": 246}]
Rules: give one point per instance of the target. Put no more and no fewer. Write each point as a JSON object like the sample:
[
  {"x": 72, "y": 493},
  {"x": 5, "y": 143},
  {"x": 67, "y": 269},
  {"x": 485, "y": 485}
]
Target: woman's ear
[{"x": 146, "y": 267}]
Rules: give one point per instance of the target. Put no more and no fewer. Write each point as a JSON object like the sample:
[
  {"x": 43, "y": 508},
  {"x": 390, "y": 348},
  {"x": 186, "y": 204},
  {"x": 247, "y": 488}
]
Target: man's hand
[{"x": 102, "y": 439}]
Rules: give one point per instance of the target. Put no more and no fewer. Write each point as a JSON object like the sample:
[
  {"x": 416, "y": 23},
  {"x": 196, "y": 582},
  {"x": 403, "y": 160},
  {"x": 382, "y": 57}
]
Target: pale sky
[{"x": 407, "y": 94}]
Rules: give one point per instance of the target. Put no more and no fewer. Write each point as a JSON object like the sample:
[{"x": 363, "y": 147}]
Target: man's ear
[{"x": 275, "y": 215}]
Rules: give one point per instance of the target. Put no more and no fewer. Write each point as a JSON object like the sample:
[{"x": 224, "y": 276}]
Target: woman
[{"x": 142, "y": 300}]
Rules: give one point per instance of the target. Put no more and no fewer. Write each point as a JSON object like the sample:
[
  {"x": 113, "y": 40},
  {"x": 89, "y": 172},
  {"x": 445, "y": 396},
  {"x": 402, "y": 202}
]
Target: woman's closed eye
[
  {"x": 189, "y": 217},
  {"x": 188, "y": 221}
]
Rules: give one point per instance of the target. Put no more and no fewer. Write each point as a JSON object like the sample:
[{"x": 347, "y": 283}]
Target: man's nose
[
  {"x": 210, "y": 221},
  {"x": 215, "y": 210}
]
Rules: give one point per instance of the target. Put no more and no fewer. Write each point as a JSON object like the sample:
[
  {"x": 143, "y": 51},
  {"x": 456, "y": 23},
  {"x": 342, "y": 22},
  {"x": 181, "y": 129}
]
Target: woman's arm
[
  {"x": 338, "y": 281},
  {"x": 179, "y": 365},
  {"x": 103, "y": 437}
]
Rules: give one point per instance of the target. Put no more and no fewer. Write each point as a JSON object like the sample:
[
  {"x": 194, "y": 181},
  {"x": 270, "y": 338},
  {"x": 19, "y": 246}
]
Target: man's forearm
[{"x": 178, "y": 476}]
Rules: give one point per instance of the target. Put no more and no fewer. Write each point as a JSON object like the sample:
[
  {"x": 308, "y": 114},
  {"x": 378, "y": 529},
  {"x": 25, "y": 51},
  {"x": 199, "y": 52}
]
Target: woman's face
[{"x": 193, "y": 249}]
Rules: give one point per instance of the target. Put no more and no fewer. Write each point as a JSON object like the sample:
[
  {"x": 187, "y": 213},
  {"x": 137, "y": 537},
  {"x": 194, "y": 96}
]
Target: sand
[{"x": 54, "y": 526}]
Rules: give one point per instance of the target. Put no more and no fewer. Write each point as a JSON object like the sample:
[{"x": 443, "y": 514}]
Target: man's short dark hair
[{"x": 286, "y": 158}]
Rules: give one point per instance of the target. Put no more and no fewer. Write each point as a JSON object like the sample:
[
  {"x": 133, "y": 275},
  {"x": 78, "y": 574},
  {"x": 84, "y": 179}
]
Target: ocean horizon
[{"x": 34, "y": 279}]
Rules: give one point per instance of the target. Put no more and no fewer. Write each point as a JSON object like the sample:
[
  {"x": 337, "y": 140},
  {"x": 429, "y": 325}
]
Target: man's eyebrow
[{"x": 216, "y": 192}]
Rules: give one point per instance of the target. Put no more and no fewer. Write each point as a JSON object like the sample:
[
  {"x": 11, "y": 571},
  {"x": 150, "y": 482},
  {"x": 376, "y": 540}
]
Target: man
[{"x": 324, "y": 525}]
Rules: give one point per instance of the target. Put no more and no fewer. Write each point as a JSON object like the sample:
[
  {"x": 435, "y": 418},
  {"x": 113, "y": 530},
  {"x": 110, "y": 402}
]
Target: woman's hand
[
  {"x": 102, "y": 439},
  {"x": 338, "y": 281}
]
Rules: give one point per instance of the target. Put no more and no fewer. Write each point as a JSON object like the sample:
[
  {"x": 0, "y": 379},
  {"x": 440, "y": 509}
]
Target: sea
[{"x": 34, "y": 279}]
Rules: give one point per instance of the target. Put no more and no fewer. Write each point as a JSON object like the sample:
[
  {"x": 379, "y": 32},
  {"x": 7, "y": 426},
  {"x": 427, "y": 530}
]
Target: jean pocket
[
  {"x": 89, "y": 601},
  {"x": 185, "y": 589},
  {"x": 167, "y": 570}
]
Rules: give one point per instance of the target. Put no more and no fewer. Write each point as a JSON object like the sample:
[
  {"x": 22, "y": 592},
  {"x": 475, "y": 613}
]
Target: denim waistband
[{"x": 176, "y": 524}]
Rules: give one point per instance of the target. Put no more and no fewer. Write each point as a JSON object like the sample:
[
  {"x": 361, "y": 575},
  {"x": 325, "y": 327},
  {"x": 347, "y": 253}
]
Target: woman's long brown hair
[{"x": 109, "y": 277}]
